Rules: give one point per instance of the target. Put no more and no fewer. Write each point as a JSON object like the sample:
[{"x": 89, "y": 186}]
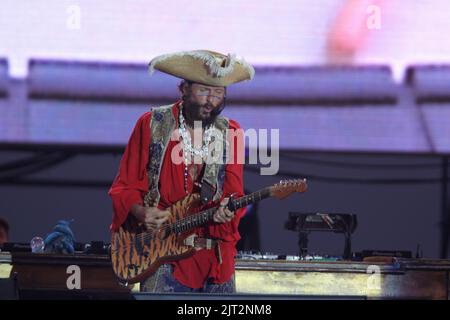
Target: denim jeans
[{"x": 162, "y": 281}]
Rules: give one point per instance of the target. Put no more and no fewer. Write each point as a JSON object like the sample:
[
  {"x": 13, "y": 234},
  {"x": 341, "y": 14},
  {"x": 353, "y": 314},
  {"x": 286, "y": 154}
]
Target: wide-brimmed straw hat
[{"x": 204, "y": 66}]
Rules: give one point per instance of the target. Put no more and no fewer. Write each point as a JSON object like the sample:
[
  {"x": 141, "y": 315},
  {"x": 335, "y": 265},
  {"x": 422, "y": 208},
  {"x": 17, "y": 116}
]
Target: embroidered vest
[{"x": 162, "y": 125}]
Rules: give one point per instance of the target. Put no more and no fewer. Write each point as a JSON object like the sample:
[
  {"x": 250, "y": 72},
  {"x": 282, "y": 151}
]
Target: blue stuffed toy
[{"x": 61, "y": 240}]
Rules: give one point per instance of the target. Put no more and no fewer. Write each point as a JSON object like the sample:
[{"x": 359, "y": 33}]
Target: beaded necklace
[{"x": 189, "y": 151}]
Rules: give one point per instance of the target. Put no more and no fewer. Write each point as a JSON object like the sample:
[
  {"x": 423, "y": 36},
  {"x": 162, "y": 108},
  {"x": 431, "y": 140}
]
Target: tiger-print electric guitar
[{"x": 137, "y": 253}]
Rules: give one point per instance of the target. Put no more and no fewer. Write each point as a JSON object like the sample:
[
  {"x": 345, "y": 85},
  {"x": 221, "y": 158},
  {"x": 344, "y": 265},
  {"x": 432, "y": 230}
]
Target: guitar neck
[
  {"x": 202, "y": 218},
  {"x": 249, "y": 199}
]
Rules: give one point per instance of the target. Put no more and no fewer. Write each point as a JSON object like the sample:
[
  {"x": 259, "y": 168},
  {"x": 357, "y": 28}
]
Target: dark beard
[{"x": 191, "y": 112}]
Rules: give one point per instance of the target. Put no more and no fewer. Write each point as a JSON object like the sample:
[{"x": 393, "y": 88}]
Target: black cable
[
  {"x": 16, "y": 164},
  {"x": 349, "y": 180},
  {"x": 50, "y": 161},
  {"x": 58, "y": 183},
  {"x": 361, "y": 165}
]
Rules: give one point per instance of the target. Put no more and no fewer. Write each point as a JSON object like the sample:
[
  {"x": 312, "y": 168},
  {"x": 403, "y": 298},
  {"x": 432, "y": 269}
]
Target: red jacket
[{"x": 131, "y": 185}]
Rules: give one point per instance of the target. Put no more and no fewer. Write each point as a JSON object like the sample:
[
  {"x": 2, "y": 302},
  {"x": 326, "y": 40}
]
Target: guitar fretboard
[{"x": 201, "y": 218}]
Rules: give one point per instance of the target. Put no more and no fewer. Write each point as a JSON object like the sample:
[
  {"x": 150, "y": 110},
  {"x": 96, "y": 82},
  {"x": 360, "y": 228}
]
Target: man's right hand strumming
[{"x": 151, "y": 217}]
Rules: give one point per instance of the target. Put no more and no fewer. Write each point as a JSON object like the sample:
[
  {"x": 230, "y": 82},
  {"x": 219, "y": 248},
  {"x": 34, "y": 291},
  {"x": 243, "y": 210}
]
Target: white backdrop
[{"x": 264, "y": 32}]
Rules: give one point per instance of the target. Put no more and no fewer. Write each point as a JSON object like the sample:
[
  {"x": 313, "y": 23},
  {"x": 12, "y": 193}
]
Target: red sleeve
[
  {"x": 131, "y": 183},
  {"x": 233, "y": 183}
]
